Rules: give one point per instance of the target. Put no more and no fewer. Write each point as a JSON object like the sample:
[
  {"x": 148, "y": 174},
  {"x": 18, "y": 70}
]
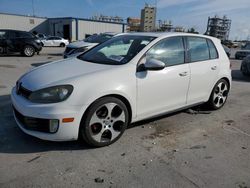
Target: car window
[
  {"x": 170, "y": 51},
  {"x": 212, "y": 49},
  {"x": 3, "y": 35},
  {"x": 50, "y": 38},
  {"x": 198, "y": 49},
  {"x": 118, "y": 50},
  {"x": 98, "y": 38},
  {"x": 57, "y": 38}
]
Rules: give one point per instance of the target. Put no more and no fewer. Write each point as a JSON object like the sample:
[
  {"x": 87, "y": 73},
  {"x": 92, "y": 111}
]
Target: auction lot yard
[{"x": 178, "y": 150}]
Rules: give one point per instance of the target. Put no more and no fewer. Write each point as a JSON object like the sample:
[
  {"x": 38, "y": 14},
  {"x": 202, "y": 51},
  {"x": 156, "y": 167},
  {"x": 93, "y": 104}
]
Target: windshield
[
  {"x": 98, "y": 38},
  {"x": 118, "y": 50}
]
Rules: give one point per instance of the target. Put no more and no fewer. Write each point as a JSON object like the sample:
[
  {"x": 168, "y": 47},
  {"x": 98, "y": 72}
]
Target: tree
[{"x": 192, "y": 30}]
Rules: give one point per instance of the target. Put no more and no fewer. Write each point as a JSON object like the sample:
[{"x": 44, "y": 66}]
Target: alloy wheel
[
  {"x": 220, "y": 94},
  {"x": 107, "y": 123},
  {"x": 28, "y": 51}
]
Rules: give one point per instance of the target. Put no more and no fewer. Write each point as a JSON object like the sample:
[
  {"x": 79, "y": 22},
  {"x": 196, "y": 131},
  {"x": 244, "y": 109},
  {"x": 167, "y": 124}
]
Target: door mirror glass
[{"x": 151, "y": 65}]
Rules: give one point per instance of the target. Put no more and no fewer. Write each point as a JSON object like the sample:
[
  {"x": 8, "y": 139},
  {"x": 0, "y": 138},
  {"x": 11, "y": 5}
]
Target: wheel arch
[
  {"x": 118, "y": 96},
  {"x": 227, "y": 80}
]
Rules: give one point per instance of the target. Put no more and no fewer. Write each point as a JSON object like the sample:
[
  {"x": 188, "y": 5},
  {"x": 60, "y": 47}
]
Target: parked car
[
  {"x": 78, "y": 47},
  {"x": 227, "y": 50},
  {"x": 245, "y": 66},
  {"x": 12, "y": 41},
  {"x": 244, "y": 52},
  {"x": 126, "y": 79},
  {"x": 55, "y": 41}
]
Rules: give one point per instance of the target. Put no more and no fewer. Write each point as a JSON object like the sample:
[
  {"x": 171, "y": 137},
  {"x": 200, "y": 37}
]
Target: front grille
[
  {"x": 20, "y": 90},
  {"x": 33, "y": 124}
]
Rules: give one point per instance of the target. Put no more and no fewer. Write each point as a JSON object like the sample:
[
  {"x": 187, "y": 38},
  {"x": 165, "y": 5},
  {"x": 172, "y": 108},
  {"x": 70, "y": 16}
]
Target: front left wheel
[
  {"x": 104, "y": 122},
  {"x": 28, "y": 51}
]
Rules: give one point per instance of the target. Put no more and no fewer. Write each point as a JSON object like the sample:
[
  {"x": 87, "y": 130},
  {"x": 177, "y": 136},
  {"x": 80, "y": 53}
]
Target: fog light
[{"x": 53, "y": 125}]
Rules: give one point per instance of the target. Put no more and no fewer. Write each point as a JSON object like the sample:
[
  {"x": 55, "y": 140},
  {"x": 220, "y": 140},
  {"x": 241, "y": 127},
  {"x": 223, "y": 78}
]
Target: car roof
[{"x": 167, "y": 34}]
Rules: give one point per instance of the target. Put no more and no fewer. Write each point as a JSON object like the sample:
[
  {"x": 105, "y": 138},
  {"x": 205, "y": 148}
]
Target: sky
[{"x": 187, "y": 13}]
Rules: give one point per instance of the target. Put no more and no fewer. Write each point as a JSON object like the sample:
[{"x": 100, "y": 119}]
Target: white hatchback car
[
  {"x": 55, "y": 41},
  {"x": 128, "y": 78}
]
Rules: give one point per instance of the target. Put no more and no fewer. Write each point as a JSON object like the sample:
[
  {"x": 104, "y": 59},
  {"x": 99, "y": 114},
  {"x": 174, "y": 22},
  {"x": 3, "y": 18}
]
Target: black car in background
[
  {"x": 245, "y": 66},
  {"x": 244, "y": 52},
  {"x": 12, "y": 41}
]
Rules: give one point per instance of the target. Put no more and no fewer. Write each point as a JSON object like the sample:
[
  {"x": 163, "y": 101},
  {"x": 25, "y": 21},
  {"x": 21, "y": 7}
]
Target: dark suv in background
[{"x": 19, "y": 41}]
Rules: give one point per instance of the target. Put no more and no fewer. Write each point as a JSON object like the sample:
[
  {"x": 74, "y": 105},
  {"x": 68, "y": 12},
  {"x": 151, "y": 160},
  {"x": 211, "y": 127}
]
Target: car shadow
[
  {"x": 13, "y": 140},
  {"x": 55, "y": 54},
  {"x": 40, "y": 63},
  {"x": 239, "y": 77}
]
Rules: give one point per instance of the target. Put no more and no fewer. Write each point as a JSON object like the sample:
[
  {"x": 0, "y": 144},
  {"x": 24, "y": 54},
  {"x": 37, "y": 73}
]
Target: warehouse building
[{"x": 67, "y": 27}]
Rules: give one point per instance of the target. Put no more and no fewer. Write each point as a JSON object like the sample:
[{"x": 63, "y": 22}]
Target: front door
[{"x": 163, "y": 90}]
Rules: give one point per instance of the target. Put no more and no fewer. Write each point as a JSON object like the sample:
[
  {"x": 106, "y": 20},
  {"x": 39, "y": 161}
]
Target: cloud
[
  {"x": 195, "y": 13},
  {"x": 168, "y": 3},
  {"x": 90, "y": 2}
]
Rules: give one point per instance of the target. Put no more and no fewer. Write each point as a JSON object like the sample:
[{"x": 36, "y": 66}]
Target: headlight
[
  {"x": 52, "y": 94},
  {"x": 79, "y": 50},
  {"x": 38, "y": 40}
]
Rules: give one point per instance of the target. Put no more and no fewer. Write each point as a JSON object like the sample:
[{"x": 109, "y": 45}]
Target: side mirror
[{"x": 151, "y": 65}]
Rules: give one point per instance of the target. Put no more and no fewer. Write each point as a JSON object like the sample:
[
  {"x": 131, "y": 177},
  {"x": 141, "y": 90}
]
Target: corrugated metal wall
[
  {"x": 24, "y": 23},
  {"x": 91, "y": 27}
]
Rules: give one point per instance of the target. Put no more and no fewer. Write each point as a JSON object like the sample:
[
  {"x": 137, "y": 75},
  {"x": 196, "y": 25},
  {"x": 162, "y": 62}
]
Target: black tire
[
  {"x": 28, "y": 51},
  {"x": 218, "y": 98},
  {"x": 62, "y": 45},
  {"x": 105, "y": 128}
]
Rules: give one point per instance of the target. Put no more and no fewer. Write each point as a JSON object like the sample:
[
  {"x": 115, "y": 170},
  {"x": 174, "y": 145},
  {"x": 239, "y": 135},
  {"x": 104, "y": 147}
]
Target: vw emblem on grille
[{"x": 18, "y": 86}]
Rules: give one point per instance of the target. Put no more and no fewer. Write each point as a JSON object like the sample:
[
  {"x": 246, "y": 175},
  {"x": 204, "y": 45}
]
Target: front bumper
[{"x": 65, "y": 132}]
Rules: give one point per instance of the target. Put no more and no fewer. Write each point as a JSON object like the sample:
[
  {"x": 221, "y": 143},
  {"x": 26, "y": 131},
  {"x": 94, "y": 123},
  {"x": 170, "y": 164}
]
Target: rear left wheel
[
  {"x": 105, "y": 122},
  {"x": 219, "y": 95},
  {"x": 62, "y": 45}
]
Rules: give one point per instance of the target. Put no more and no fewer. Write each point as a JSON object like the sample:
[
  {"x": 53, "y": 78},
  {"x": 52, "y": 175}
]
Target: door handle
[
  {"x": 183, "y": 73},
  {"x": 214, "y": 67}
]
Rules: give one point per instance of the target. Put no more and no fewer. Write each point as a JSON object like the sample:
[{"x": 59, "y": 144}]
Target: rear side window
[
  {"x": 198, "y": 49},
  {"x": 212, "y": 49},
  {"x": 170, "y": 51}
]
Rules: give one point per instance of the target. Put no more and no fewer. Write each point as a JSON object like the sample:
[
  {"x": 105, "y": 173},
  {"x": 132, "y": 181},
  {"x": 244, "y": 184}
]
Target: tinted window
[
  {"x": 212, "y": 49},
  {"x": 170, "y": 51},
  {"x": 116, "y": 51},
  {"x": 51, "y": 38},
  {"x": 3, "y": 35},
  {"x": 56, "y": 38},
  {"x": 98, "y": 38},
  {"x": 23, "y": 35},
  {"x": 198, "y": 49}
]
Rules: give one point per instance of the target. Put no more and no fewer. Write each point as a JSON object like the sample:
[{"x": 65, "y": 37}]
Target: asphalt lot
[{"x": 177, "y": 150}]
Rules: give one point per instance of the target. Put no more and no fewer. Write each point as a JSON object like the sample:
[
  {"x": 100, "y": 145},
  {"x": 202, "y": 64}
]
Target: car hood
[
  {"x": 59, "y": 71},
  {"x": 79, "y": 44}
]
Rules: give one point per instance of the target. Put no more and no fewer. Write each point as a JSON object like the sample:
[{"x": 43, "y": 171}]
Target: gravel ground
[{"x": 178, "y": 150}]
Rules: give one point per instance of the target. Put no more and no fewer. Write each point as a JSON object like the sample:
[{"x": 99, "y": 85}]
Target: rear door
[
  {"x": 204, "y": 66},
  {"x": 57, "y": 41},
  {"x": 49, "y": 41}
]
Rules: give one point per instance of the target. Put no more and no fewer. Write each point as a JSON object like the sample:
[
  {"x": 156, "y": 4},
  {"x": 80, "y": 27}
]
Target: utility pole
[{"x": 33, "y": 10}]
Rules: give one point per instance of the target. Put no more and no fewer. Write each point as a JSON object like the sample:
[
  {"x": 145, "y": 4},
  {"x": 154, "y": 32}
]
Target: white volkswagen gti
[
  {"x": 54, "y": 41},
  {"x": 128, "y": 78}
]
